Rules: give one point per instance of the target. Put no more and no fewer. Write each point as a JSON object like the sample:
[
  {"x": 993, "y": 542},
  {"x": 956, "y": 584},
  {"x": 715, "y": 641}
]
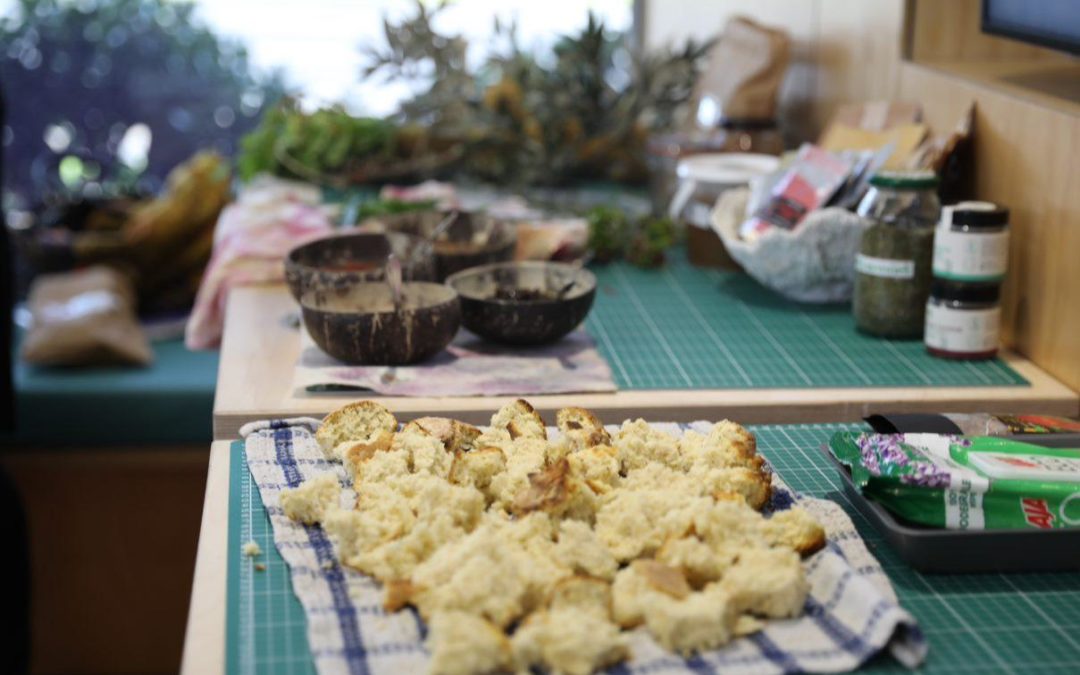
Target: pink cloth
[{"x": 268, "y": 219}]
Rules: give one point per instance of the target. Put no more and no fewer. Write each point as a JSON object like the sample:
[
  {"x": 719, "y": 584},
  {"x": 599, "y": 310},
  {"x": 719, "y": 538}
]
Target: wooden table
[
  {"x": 204, "y": 643},
  {"x": 260, "y": 349}
]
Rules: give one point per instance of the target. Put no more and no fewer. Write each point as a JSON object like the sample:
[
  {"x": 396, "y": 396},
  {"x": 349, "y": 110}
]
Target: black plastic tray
[{"x": 967, "y": 551}]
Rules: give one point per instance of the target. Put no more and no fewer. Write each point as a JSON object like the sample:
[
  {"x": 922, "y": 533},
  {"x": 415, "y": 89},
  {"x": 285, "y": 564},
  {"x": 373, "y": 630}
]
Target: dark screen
[{"x": 1050, "y": 23}]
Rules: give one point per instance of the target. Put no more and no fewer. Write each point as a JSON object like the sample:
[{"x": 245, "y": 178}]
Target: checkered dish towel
[{"x": 851, "y": 613}]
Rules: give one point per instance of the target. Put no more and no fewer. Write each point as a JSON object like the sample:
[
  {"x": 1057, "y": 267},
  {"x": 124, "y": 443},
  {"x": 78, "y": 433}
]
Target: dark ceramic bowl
[
  {"x": 515, "y": 303},
  {"x": 345, "y": 260},
  {"x": 474, "y": 238},
  {"x": 359, "y": 325}
]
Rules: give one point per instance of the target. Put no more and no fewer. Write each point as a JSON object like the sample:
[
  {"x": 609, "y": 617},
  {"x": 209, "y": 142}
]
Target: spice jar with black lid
[
  {"x": 893, "y": 265},
  {"x": 963, "y": 319},
  {"x": 972, "y": 243}
]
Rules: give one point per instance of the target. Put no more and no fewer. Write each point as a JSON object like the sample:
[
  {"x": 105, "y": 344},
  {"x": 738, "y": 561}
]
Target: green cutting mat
[
  {"x": 684, "y": 327},
  {"x": 986, "y": 623}
]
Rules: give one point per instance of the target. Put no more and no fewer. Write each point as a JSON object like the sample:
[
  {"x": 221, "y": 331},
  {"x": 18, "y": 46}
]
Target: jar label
[
  {"x": 967, "y": 256},
  {"x": 962, "y": 330},
  {"x": 884, "y": 267}
]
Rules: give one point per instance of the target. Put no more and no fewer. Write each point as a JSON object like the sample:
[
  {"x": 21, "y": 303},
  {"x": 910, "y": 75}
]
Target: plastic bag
[{"x": 85, "y": 317}]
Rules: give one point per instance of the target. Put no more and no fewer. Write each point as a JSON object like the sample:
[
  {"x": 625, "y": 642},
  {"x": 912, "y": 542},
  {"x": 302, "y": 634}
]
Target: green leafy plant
[
  {"x": 317, "y": 146},
  {"x": 612, "y": 236},
  {"x": 585, "y": 111}
]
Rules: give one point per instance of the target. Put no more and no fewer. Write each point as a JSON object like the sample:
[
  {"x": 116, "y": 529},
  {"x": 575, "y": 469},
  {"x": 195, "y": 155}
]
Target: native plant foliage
[{"x": 582, "y": 111}]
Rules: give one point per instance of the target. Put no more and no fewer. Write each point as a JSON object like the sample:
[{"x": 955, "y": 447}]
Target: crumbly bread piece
[
  {"x": 520, "y": 420},
  {"x": 729, "y": 523},
  {"x": 579, "y": 549},
  {"x": 428, "y": 495},
  {"x": 639, "y": 585},
  {"x": 753, "y": 486},
  {"x": 493, "y": 437},
  {"x": 627, "y": 597},
  {"x": 701, "y": 620},
  {"x": 700, "y": 562},
  {"x": 635, "y": 523},
  {"x": 455, "y": 436},
  {"x": 355, "y": 453},
  {"x": 557, "y": 491},
  {"x": 548, "y": 490},
  {"x": 535, "y": 533},
  {"x": 251, "y": 549},
  {"x": 598, "y": 466},
  {"x": 726, "y": 444},
  {"x": 381, "y": 466},
  {"x": 478, "y": 573},
  {"x": 568, "y": 640},
  {"x": 353, "y": 533},
  {"x": 477, "y": 468},
  {"x": 524, "y": 456},
  {"x": 464, "y": 644},
  {"x": 581, "y": 428},
  {"x": 748, "y": 625},
  {"x": 795, "y": 529},
  {"x": 638, "y": 444},
  {"x": 402, "y": 520},
  {"x": 426, "y": 453},
  {"x": 585, "y": 594},
  {"x": 767, "y": 582},
  {"x": 494, "y": 571},
  {"x": 396, "y": 559},
  {"x": 659, "y": 476},
  {"x": 308, "y": 502},
  {"x": 359, "y": 421}
]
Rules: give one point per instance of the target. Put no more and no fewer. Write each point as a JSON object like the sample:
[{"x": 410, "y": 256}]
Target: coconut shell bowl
[
  {"x": 471, "y": 238},
  {"x": 361, "y": 325},
  {"x": 346, "y": 260},
  {"x": 524, "y": 303}
]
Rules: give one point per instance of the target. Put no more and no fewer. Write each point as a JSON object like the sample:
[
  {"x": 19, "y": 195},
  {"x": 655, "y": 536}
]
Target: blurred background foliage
[{"x": 109, "y": 95}]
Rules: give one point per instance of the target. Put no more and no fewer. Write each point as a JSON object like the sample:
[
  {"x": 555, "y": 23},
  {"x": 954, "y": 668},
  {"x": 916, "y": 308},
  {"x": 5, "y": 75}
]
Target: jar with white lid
[
  {"x": 972, "y": 243},
  {"x": 702, "y": 179},
  {"x": 963, "y": 320}
]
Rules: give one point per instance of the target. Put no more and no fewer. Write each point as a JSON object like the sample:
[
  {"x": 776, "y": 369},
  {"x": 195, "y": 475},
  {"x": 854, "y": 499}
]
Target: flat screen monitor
[{"x": 1047, "y": 23}]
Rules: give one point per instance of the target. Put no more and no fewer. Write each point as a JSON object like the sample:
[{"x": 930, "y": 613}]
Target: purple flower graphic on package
[{"x": 928, "y": 475}]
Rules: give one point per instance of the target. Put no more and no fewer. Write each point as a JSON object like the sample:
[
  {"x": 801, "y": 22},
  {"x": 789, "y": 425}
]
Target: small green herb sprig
[{"x": 613, "y": 236}]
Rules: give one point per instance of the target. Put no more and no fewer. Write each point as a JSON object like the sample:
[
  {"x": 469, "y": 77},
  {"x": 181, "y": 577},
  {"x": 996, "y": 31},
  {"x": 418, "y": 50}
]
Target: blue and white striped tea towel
[{"x": 851, "y": 613}]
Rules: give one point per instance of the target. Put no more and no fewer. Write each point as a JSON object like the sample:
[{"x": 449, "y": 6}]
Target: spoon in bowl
[{"x": 393, "y": 279}]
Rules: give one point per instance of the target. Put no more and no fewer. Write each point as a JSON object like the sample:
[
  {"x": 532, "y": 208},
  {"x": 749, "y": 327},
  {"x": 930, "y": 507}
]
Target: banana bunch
[
  {"x": 289, "y": 142},
  {"x": 170, "y": 238}
]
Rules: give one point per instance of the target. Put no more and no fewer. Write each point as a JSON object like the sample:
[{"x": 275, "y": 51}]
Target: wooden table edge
[
  {"x": 204, "y": 640},
  {"x": 1045, "y": 395}
]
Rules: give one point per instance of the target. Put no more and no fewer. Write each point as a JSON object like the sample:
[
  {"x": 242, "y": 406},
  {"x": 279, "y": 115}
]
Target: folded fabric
[
  {"x": 468, "y": 367},
  {"x": 268, "y": 219}
]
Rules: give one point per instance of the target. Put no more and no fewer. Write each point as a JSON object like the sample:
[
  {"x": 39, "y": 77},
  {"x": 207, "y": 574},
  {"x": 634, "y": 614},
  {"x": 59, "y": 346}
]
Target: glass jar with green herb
[{"x": 893, "y": 266}]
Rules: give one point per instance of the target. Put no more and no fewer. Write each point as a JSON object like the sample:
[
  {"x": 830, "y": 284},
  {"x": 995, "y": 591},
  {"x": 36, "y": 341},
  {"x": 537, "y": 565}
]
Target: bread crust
[
  {"x": 582, "y": 428},
  {"x": 357, "y": 421}
]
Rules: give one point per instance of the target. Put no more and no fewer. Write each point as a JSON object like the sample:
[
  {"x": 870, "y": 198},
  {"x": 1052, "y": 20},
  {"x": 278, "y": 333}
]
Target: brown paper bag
[
  {"x": 744, "y": 73},
  {"x": 85, "y": 317}
]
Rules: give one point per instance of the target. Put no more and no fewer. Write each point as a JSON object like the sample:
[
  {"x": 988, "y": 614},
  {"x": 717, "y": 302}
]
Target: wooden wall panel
[
  {"x": 1028, "y": 159},
  {"x": 112, "y": 553}
]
